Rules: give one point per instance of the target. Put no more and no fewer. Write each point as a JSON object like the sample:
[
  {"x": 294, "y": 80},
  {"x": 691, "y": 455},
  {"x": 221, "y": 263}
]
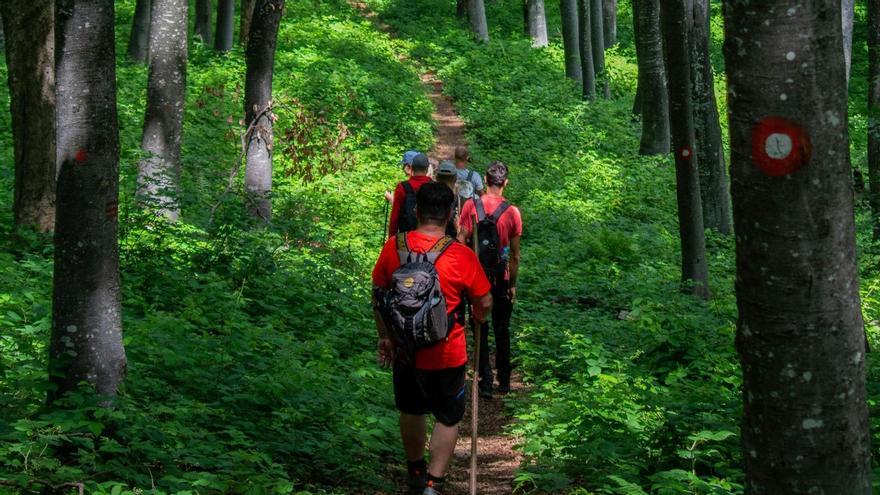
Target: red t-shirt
[
  {"x": 509, "y": 225},
  {"x": 460, "y": 274},
  {"x": 416, "y": 181}
]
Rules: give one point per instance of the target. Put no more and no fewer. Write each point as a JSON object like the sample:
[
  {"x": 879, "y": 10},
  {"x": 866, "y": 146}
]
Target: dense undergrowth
[{"x": 251, "y": 350}]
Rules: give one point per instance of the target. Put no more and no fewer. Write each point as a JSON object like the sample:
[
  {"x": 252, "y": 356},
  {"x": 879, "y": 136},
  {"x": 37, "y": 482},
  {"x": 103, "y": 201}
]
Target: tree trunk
[
  {"x": 609, "y": 22},
  {"x": 637, "y": 99},
  {"x": 597, "y": 32},
  {"x": 714, "y": 188},
  {"x": 847, "y": 12},
  {"x": 247, "y": 14},
  {"x": 203, "y": 21},
  {"x": 30, "y": 60},
  {"x": 800, "y": 334},
  {"x": 585, "y": 38},
  {"x": 159, "y": 170},
  {"x": 138, "y": 42},
  {"x": 477, "y": 15},
  {"x": 570, "y": 41},
  {"x": 258, "y": 97},
  {"x": 654, "y": 95},
  {"x": 874, "y": 113},
  {"x": 225, "y": 22},
  {"x": 537, "y": 23},
  {"x": 86, "y": 343},
  {"x": 676, "y": 17},
  {"x": 461, "y": 8}
]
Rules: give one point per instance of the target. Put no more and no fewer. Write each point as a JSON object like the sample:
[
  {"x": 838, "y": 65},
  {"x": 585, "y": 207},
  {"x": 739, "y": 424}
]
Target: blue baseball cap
[{"x": 408, "y": 157}]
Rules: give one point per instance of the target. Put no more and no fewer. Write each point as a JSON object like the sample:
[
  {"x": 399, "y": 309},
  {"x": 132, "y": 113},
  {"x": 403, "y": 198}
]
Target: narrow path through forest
[{"x": 497, "y": 459}]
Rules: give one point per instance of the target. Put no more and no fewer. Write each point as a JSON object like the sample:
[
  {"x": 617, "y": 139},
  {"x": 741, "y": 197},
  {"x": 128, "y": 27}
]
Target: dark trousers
[{"x": 502, "y": 308}]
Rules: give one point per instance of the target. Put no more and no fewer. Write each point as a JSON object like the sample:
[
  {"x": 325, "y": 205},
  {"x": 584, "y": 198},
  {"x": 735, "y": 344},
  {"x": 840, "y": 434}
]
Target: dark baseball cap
[{"x": 420, "y": 162}]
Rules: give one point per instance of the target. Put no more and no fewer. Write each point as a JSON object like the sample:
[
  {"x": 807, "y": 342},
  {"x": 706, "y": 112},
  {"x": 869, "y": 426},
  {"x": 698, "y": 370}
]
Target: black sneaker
[
  {"x": 486, "y": 389},
  {"x": 416, "y": 480},
  {"x": 433, "y": 488},
  {"x": 504, "y": 388}
]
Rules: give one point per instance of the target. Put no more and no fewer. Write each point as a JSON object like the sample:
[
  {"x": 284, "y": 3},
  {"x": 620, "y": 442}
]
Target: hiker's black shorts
[{"x": 439, "y": 392}]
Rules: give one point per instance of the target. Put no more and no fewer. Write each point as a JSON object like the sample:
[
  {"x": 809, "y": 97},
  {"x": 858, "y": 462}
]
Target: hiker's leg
[
  {"x": 501, "y": 311},
  {"x": 443, "y": 440},
  {"x": 485, "y": 368},
  {"x": 447, "y": 397},
  {"x": 414, "y": 434}
]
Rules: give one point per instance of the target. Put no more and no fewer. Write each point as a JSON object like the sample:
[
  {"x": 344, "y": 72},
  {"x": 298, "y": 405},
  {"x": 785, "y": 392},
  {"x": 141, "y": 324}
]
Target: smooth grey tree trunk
[
  {"x": 244, "y": 27},
  {"x": 30, "y": 61},
  {"x": 477, "y": 15},
  {"x": 714, "y": 186},
  {"x": 652, "y": 89},
  {"x": 258, "y": 95},
  {"x": 585, "y": 38},
  {"x": 570, "y": 41},
  {"x": 86, "y": 342},
  {"x": 139, "y": 39},
  {"x": 537, "y": 23},
  {"x": 159, "y": 170},
  {"x": 203, "y": 23},
  {"x": 800, "y": 334},
  {"x": 676, "y": 18},
  {"x": 225, "y": 25},
  {"x": 847, "y": 12},
  {"x": 874, "y": 113},
  {"x": 609, "y": 22},
  {"x": 597, "y": 33}
]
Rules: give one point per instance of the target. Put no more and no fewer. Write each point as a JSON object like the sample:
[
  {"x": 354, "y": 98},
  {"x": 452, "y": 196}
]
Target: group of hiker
[{"x": 453, "y": 254}]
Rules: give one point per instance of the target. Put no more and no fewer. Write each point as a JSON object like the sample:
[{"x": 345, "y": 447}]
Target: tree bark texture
[
  {"x": 86, "y": 343},
  {"x": 30, "y": 61},
  {"x": 159, "y": 170},
  {"x": 537, "y": 23},
  {"x": 653, "y": 92},
  {"x": 847, "y": 13},
  {"x": 247, "y": 14},
  {"x": 676, "y": 17},
  {"x": 800, "y": 334},
  {"x": 585, "y": 38},
  {"x": 597, "y": 33},
  {"x": 570, "y": 41},
  {"x": 225, "y": 23},
  {"x": 203, "y": 24},
  {"x": 258, "y": 97},
  {"x": 477, "y": 15},
  {"x": 609, "y": 22},
  {"x": 139, "y": 40},
  {"x": 637, "y": 99},
  {"x": 874, "y": 113},
  {"x": 714, "y": 186},
  {"x": 461, "y": 8}
]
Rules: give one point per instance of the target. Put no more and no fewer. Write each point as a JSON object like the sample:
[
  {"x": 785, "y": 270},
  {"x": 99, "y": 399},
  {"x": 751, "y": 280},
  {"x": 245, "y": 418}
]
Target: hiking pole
[{"x": 475, "y": 396}]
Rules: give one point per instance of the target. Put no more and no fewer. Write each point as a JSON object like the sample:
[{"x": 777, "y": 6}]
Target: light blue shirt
[{"x": 475, "y": 183}]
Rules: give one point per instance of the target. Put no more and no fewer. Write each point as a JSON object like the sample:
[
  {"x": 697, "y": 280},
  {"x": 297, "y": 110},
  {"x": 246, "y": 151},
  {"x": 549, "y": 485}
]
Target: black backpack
[
  {"x": 406, "y": 220},
  {"x": 489, "y": 249},
  {"x": 415, "y": 306}
]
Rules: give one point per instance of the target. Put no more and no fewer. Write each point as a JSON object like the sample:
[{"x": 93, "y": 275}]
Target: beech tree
[
  {"x": 244, "y": 27},
  {"x": 257, "y": 105},
  {"x": 874, "y": 113},
  {"x": 139, "y": 39},
  {"x": 800, "y": 334},
  {"x": 597, "y": 33},
  {"x": 653, "y": 95},
  {"x": 537, "y": 22},
  {"x": 86, "y": 342},
  {"x": 585, "y": 38},
  {"x": 609, "y": 22},
  {"x": 570, "y": 41},
  {"x": 847, "y": 13},
  {"x": 159, "y": 170},
  {"x": 477, "y": 15},
  {"x": 30, "y": 61},
  {"x": 676, "y": 18},
  {"x": 225, "y": 23},
  {"x": 714, "y": 188},
  {"x": 203, "y": 24}
]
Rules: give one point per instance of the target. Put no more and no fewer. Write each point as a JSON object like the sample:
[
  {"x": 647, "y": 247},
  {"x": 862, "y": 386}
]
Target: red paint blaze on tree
[
  {"x": 112, "y": 210},
  {"x": 686, "y": 153},
  {"x": 81, "y": 156},
  {"x": 780, "y": 146}
]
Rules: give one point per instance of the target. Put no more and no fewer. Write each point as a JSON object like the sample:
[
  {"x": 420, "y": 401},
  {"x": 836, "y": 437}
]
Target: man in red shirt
[
  {"x": 403, "y": 217},
  {"x": 509, "y": 227},
  {"x": 434, "y": 383}
]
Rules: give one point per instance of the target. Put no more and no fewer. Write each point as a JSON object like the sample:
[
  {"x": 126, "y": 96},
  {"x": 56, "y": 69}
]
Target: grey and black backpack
[{"x": 415, "y": 304}]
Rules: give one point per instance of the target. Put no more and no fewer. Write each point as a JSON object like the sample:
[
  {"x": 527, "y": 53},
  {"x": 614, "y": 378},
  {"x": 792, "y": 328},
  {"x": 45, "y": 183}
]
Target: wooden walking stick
[{"x": 475, "y": 396}]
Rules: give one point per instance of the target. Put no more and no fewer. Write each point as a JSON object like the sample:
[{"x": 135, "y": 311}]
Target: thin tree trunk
[
  {"x": 847, "y": 12},
  {"x": 244, "y": 28},
  {"x": 637, "y": 99},
  {"x": 714, "y": 188},
  {"x": 800, "y": 333},
  {"x": 874, "y": 113},
  {"x": 225, "y": 23},
  {"x": 537, "y": 22},
  {"x": 597, "y": 32},
  {"x": 461, "y": 8},
  {"x": 159, "y": 170},
  {"x": 609, "y": 10},
  {"x": 477, "y": 15},
  {"x": 30, "y": 61},
  {"x": 676, "y": 19},
  {"x": 203, "y": 21},
  {"x": 570, "y": 41},
  {"x": 588, "y": 70},
  {"x": 138, "y": 41},
  {"x": 86, "y": 343},
  {"x": 654, "y": 95},
  {"x": 258, "y": 97}
]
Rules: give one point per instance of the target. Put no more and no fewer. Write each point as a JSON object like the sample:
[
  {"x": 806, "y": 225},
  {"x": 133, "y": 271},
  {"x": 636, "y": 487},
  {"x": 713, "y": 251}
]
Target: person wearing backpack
[
  {"x": 499, "y": 228},
  {"x": 446, "y": 174},
  {"x": 406, "y": 163},
  {"x": 403, "y": 206},
  {"x": 420, "y": 281},
  {"x": 469, "y": 183}
]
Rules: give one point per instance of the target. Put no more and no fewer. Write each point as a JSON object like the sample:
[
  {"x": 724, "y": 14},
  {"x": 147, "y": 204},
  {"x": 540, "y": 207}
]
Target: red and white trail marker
[{"x": 779, "y": 146}]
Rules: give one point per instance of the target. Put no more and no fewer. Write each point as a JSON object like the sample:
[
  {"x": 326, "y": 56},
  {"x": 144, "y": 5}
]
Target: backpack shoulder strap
[
  {"x": 496, "y": 215},
  {"x": 481, "y": 212},
  {"x": 407, "y": 187},
  {"x": 439, "y": 248},
  {"x": 403, "y": 248},
  {"x": 470, "y": 176}
]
